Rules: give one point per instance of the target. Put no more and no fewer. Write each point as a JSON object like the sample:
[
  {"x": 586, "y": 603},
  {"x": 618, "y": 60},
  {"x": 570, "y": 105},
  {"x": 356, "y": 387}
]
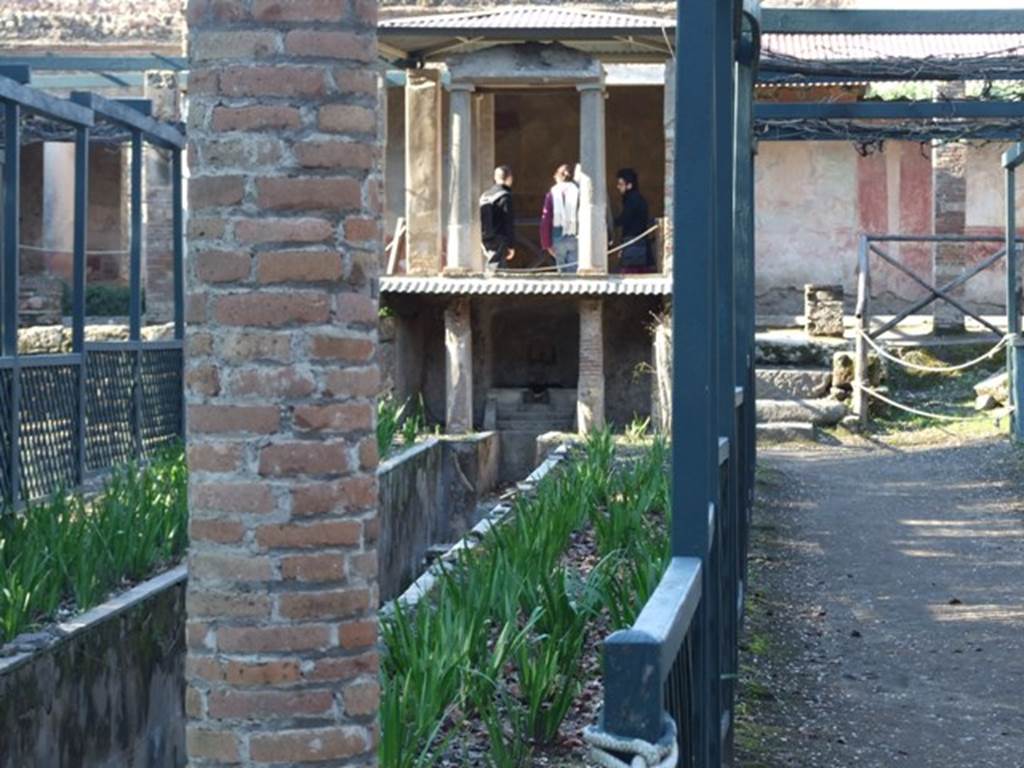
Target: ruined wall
[
  {"x": 814, "y": 199},
  {"x": 82, "y": 24},
  {"x": 109, "y": 692},
  {"x": 628, "y": 358}
]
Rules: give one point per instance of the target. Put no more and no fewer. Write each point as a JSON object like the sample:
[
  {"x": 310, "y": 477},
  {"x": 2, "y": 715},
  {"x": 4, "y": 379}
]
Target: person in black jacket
[
  {"x": 634, "y": 220},
  {"x": 498, "y": 221}
]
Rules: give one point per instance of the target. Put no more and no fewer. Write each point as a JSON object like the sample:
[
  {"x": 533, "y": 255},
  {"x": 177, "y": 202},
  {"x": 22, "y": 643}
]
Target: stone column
[
  {"x": 281, "y": 381},
  {"x": 949, "y": 184},
  {"x": 459, "y": 258},
  {"x": 458, "y": 345},
  {"x": 593, "y": 226},
  {"x": 423, "y": 171},
  {"x": 590, "y": 390},
  {"x": 670, "y": 164},
  {"x": 58, "y": 211},
  {"x": 158, "y": 246},
  {"x": 483, "y": 165}
]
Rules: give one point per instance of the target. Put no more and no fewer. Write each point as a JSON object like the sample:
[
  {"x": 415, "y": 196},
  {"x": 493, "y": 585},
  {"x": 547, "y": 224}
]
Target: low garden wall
[
  {"x": 429, "y": 496},
  {"x": 105, "y": 690}
]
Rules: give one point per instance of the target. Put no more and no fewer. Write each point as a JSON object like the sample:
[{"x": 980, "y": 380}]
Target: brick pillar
[
  {"x": 282, "y": 377},
  {"x": 458, "y": 344},
  {"x": 158, "y": 250},
  {"x": 590, "y": 391},
  {"x": 423, "y": 179},
  {"x": 949, "y": 182}
]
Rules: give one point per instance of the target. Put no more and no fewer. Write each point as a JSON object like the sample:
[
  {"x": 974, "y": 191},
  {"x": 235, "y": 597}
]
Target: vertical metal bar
[
  {"x": 178, "y": 225},
  {"x": 78, "y": 287},
  {"x": 695, "y": 393},
  {"x": 135, "y": 241},
  {"x": 12, "y": 226},
  {"x": 135, "y": 287},
  {"x": 178, "y": 254},
  {"x": 9, "y": 287},
  {"x": 860, "y": 362},
  {"x": 1014, "y": 352}
]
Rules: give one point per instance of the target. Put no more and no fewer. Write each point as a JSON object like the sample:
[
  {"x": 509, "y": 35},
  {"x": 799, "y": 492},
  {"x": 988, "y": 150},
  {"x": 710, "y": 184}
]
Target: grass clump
[
  {"x": 407, "y": 421},
  {"x": 501, "y": 641},
  {"x": 72, "y": 552}
]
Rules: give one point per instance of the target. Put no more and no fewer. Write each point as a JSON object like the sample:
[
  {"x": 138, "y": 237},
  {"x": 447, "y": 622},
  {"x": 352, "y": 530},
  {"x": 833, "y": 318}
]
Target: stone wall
[
  {"x": 56, "y": 339},
  {"x": 105, "y": 690},
  {"x": 85, "y": 23},
  {"x": 429, "y": 495}
]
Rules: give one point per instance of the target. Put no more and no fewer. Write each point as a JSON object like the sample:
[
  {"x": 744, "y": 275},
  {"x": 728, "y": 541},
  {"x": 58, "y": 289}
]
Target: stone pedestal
[
  {"x": 459, "y": 256},
  {"x": 823, "y": 310},
  {"x": 593, "y": 229},
  {"x": 590, "y": 390},
  {"x": 458, "y": 345},
  {"x": 423, "y": 173}
]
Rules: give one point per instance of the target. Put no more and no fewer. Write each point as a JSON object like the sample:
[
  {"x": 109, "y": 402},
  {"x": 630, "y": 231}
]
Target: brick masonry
[{"x": 282, "y": 375}]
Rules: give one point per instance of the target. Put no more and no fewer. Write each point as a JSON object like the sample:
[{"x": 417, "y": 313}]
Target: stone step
[
  {"x": 534, "y": 426},
  {"x": 781, "y": 382},
  {"x": 796, "y": 349},
  {"x": 787, "y": 432},
  {"x": 821, "y": 412}
]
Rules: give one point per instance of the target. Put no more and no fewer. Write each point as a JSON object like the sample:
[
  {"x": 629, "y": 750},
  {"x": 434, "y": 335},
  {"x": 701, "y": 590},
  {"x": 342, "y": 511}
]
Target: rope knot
[{"x": 662, "y": 754}]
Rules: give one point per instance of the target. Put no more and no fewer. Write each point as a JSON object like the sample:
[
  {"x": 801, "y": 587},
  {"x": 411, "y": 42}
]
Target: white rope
[
  {"x": 915, "y": 411},
  {"x": 560, "y": 267},
  {"x": 663, "y": 754},
  {"x": 934, "y": 369},
  {"x": 40, "y": 249}
]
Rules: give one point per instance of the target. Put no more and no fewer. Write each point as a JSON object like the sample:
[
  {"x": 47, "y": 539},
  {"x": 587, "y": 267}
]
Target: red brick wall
[{"x": 282, "y": 376}]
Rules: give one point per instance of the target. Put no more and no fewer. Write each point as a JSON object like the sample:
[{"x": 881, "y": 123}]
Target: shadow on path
[{"x": 887, "y": 611}]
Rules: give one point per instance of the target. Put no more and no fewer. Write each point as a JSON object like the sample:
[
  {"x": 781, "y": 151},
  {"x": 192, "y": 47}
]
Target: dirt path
[{"x": 887, "y": 618}]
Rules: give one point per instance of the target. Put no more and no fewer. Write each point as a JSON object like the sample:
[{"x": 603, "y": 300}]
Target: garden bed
[{"x": 494, "y": 658}]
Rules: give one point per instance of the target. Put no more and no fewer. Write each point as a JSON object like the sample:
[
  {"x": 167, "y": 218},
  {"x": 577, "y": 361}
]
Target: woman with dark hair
[{"x": 633, "y": 221}]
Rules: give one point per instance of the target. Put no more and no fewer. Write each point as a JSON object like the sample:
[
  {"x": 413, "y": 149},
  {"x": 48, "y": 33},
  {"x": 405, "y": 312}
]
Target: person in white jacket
[{"x": 559, "y": 221}]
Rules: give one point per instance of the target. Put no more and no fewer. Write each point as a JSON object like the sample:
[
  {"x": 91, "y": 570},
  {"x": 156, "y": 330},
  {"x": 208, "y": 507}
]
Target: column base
[{"x": 458, "y": 272}]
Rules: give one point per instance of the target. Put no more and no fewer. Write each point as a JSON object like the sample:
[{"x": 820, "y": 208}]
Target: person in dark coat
[
  {"x": 498, "y": 221},
  {"x": 633, "y": 221}
]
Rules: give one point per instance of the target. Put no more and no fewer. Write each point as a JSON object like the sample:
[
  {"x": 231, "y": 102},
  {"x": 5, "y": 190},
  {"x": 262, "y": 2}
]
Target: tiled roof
[
  {"x": 528, "y": 17},
  {"x": 861, "y": 47},
  {"x": 528, "y": 286}
]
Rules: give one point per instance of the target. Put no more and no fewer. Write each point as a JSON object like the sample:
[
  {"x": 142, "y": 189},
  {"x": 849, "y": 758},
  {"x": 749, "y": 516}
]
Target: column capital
[
  {"x": 464, "y": 87},
  {"x": 597, "y": 85}
]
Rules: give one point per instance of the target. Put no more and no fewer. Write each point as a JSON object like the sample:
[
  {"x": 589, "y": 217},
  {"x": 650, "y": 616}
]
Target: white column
[
  {"x": 593, "y": 229},
  {"x": 423, "y": 171},
  {"x": 459, "y": 259},
  {"x": 58, "y": 207},
  {"x": 458, "y": 344},
  {"x": 483, "y": 164}
]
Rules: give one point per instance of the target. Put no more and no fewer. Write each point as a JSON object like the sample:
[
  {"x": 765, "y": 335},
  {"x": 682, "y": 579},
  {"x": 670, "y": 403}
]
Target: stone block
[{"x": 823, "y": 310}]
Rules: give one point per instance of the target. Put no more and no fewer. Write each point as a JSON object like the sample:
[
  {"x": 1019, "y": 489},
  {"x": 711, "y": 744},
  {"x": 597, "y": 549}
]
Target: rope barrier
[
  {"x": 559, "y": 267},
  {"x": 900, "y": 406},
  {"x": 663, "y": 754},
  {"x": 934, "y": 369}
]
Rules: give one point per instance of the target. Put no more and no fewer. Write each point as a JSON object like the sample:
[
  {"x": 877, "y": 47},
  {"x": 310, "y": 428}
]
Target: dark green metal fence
[{"x": 65, "y": 418}]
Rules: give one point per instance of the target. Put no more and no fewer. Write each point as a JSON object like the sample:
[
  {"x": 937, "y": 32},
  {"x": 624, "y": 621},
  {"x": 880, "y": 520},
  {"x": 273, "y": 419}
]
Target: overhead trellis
[
  {"x": 870, "y": 134},
  {"x": 38, "y": 128}
]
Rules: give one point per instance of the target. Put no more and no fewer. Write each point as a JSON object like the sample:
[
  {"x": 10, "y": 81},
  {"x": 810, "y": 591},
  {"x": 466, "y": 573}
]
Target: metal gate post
[
  {"x": 135, "y": 288},
  {"x": 1015, "y": 350},
  {"x": 860, "y": 361},
  {"x": 178, "y": 224},
  {"x": 695, "y": 334},
  {"x": 78, "y": 286},
  {"x": 9, "y": 283}
]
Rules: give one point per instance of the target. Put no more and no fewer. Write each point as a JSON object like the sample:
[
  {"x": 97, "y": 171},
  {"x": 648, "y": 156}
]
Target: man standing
[
  {"x": 559, "y": 221},
  {"x": 634, "y": 220},
  {"x": 498, "y": 221}
]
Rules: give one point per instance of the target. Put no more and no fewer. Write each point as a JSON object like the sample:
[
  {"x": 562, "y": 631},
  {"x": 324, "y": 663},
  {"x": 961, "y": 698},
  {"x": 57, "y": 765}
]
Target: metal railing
[
  {"x": 1012, "y": 160},
  {"x": 681, "y": 656},
  {"x": 868, "y": 334},
  {"x": 66, "y": 418}
]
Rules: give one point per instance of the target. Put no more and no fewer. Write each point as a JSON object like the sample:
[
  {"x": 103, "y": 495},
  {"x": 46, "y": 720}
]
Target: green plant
[
  {"x": 74, "y": 550},
  {"x": 394, "y": 420},
  {"x": 103, "y": 300}
]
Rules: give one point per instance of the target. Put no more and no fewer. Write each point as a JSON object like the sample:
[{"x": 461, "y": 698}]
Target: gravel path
[{"x": 887, "y": 617}]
